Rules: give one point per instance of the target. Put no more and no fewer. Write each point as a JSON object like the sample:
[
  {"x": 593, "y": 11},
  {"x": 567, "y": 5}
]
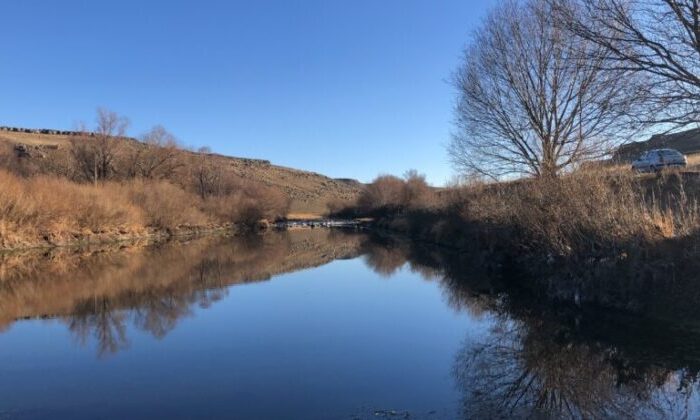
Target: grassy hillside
[{"x": 309, "y": 192}]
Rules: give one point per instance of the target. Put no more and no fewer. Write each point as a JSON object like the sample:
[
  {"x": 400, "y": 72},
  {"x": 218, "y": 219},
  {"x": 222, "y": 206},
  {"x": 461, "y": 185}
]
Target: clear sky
[{"x": 346, "y": 88}]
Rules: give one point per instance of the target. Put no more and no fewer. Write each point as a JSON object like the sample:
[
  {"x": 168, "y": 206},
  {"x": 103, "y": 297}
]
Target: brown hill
[
  {"x": 686, "y": 142},
  {"x": 309, "y": 192}
]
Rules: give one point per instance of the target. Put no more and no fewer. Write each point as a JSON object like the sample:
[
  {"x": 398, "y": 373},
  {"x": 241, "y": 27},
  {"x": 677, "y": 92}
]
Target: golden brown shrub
[
  {"x": 246, "y": 202},
  {"x": 389, "y": 194},
  {"x": 42, "y": 207},
  {"x": 164, "y": 204},
  {"x": 416, "y": 193},
  {"x": 385, "y": 193}
]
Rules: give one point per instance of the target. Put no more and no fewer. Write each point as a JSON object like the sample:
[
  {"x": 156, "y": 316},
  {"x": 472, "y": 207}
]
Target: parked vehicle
[{"x": 658, "y": 159}]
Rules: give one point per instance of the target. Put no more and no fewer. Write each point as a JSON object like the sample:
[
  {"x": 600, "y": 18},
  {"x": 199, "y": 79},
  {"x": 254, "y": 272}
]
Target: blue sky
[{"x": 344, "y": 88}]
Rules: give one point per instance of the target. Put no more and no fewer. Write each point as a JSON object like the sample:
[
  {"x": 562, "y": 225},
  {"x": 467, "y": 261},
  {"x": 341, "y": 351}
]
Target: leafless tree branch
[{"x": 533, "y": 99}]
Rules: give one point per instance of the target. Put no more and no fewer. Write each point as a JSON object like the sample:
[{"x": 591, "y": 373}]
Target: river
[{"x": 319, "y": 324}]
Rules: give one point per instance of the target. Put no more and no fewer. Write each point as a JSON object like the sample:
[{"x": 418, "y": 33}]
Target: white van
[{"x": 657, "y": 159}]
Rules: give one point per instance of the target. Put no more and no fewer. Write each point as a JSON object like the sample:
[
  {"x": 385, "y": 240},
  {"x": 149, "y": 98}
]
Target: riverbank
[
  {"x": 43, "y": 211},
  {"x": 587, "y": 217},
  {"x": 147, "y": 236},
  {"x": 150, "y": 235},
  {"x": 660, "y": 289}
]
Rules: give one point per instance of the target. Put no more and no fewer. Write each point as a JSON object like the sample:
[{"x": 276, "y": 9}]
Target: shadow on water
[{"x": 623, "y": 344}]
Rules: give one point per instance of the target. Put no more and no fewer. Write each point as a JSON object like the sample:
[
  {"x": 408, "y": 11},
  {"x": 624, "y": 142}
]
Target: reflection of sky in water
[{"x": 330, "y": 341}]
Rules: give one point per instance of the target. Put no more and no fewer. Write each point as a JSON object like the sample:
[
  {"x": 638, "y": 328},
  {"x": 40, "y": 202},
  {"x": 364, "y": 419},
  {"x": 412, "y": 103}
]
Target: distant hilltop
[
  {"x": 686, "y": 142},
  {"x": 309, "y": 192},
  {"x": 47, "y": 131},
  {"x": 68, "y": 133}
]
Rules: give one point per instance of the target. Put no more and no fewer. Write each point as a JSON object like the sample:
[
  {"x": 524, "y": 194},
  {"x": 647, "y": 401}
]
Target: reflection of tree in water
[
  {"x": 155, "y": 309},
  {"x": 105, "y": 320},
  {"x": 99, "y": 295},
  {"x": 158, "y": 312},
  {"x": 521, "y": 370},
  {"x": 386, "y": 257},
  {"x": 535, "y": 362},
  {"x": 383, "y": 259},
  {"x": 546, "y": 361},
  {"x": 505, "y": 376},
  {"x": 105, "y": 324}
]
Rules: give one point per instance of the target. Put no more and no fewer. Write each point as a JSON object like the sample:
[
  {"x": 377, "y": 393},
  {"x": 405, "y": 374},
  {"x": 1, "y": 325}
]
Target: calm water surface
[{"x": 315, "y": 324}]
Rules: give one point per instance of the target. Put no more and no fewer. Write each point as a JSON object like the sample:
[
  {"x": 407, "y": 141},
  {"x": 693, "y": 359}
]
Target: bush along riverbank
[
  {"x": 586, "y": 218},
  {"x": 43, "y": 211}
]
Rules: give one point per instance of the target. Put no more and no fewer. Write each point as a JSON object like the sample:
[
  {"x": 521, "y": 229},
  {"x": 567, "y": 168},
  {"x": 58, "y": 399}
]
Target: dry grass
[
  {"x": 44, "y": 209},
  {"x": 48, "y": 208},
  {"x": 693, "y": 162},
  {"x": 164, "y": 205},
  {"x": 583, "y": 214},
  {"x": 248, "y": 202},
  {"x": 588, "y": 213},
  {"x": 304, "y": 216}
]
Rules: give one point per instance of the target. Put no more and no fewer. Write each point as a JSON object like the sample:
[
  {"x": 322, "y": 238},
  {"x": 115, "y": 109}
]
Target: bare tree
[
  {"x": 657, "y": 38},
  {"x": 532, "y": 99},
  {"x": 94, "y": 152},
  {"x": 156, "y": 158},
  {"x": 206, "y": 174}
]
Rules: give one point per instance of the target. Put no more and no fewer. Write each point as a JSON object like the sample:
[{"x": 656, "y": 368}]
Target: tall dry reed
[
  {"x": 579, "y": 214},
  {"x": 51, "y": 209}
]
